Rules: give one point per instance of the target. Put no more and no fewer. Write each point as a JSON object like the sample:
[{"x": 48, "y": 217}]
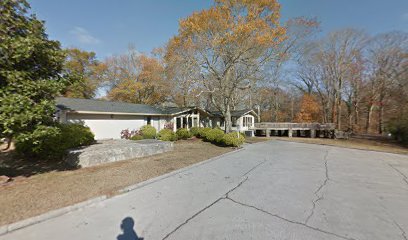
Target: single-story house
[{"x": 107, "y": 119}]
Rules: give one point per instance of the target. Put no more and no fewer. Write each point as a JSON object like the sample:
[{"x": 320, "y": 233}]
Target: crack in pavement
[
  {"x": 252, "y": 169},
  {"x": 224, "y": 196},
  {"x": 316, "y": 193},
  {"x": 403, "y": 233},
  {"x": 404, "y": 177},
  {"x": 288, "y": 220}
]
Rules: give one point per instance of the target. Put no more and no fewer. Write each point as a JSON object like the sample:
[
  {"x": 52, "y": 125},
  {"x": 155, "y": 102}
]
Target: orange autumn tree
[
  {"x": 309, "y": 110},
  {"x": 229, "y": 45},
  {"x": 136, "y": 78}
]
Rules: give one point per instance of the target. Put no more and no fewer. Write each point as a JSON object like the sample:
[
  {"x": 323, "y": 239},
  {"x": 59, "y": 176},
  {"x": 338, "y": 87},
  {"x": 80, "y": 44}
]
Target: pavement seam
[
  {"x": 205, "y": 208},
  {"x": 316, "y": 193},
  {"x": 403, "y": 233},
  {"x": 252, "y": 169},
  {"x": 224, "y": 196},
  {"x": 404, "y": 177},
  {"x": 288, "y": 220}
]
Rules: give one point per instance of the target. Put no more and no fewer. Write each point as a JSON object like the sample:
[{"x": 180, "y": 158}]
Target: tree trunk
[
  {"x": 356, "y": 116},
  {"x": 228, "y": 122},
  {"x": 350, "y": 114},
  {"x": 369, "y": 113},
  {"x": 292, "y": 110},
  {"x": 339, "y": 113},
  {"x": 259, "y": 113},
  {"x": 380, "y": 118}
]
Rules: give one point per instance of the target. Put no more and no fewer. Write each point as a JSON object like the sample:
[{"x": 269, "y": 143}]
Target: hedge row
[
  {"x": 217, "y": 136},
  {"x": 213, "y": 135}
]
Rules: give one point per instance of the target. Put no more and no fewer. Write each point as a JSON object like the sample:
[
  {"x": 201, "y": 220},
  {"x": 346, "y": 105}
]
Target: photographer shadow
[{"x": 129, "y": 233}]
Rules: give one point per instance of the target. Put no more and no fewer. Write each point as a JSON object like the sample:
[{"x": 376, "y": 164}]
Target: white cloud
[{"x": 83, "y": 36}]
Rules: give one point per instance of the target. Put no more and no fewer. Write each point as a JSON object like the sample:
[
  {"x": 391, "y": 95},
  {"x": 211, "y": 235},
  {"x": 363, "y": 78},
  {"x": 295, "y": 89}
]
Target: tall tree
[
  {"x": 326, "y": 67},
  {"x": 309, "y": 110},
  {"x": 30, "y": 67},
  {"x": 85, "y": 72},
  {"x": 387, "y": 61},
  {"x": 136, "y": 78},
  {"x": 229, "y": 43}
]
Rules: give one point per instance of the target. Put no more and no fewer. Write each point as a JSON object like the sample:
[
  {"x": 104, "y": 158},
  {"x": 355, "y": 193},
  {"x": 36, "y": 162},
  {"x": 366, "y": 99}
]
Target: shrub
[
  {"x": 233, "y": 139},
  {"x": 203, "y": 132},
  {"x": 399, "y": 130},
  {"x": 52, "y": 142},
  {"x": 148, "y": 132},
  {"x": 76, "y": 135},
  {"x": 169, "y": 125},
  {"x": 214, "y": 135},
  {"x": 195, "y": 131},
  {"x": 136, "y": 137},
  {"x": 126, "y": 134},
  {"x": 183, "y": 133},
  {"x": 167, "y": 135}
]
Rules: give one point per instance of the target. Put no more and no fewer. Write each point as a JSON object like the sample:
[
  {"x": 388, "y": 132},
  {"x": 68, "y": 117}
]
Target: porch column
[
  {"x": 174, "y": 124},
  {"x": 290, "y": 133},
  {"x": 268, "y": 132},
  {"x": 312, "y": 133}
]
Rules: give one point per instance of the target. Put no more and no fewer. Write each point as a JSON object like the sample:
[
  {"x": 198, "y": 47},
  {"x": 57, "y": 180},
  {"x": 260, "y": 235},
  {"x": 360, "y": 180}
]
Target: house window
[
  {"x": 195, "y": 122},
  {"x": 247, "y": 121},
  {"x": 184, "y": 122},
  {"x": 190, "y": 122},
  {"x": 178, "y": 123},
  {"x": 234, "y": 121},
  {"x": 149, "y": 120}
]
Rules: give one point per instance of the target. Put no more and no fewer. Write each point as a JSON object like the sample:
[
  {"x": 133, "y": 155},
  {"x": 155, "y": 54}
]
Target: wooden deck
[{"x": 299, "y": 129}]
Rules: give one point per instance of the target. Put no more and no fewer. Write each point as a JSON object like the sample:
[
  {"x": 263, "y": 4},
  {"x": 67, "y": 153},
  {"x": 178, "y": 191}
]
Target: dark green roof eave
[{"x": 100, "y": 106}]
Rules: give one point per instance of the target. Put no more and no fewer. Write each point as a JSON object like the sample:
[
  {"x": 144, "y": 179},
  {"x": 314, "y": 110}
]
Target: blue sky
[{"x": 108, "y": 27}]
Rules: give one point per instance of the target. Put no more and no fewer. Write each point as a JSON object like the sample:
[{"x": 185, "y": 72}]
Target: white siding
[{"x": 106, "y": 126}]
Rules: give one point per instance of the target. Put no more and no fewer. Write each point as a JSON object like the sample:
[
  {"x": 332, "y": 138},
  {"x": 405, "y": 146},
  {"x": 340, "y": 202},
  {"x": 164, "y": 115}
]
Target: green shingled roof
[{"x": 91, "y": 105}]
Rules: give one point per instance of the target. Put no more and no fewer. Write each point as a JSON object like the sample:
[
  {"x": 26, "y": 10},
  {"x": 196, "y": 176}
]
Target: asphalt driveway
[{"x": 270, "y": 190}]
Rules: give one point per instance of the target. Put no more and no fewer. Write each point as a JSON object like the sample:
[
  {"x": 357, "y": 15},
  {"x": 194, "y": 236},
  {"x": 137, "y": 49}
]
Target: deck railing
[{"x": 316, "y": 126}]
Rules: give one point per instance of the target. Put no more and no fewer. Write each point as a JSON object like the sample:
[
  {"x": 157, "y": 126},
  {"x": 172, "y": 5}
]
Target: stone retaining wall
[{"x": 115, "y": 150}]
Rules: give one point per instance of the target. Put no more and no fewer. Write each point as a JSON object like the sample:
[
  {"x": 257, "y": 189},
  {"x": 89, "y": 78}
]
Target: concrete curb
[
  {"x": 48, "y": 215},
  {"x": 59, "y": 212}
]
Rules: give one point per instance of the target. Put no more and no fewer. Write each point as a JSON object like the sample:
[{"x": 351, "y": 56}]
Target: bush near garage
[
  {"x": 183, "y": 133},
  {"x": 136, "y": 137},
  {"x": 52, "y": 142},
  {"x": 148, "y": 132},
  {"x": 167, "y": 135}
]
